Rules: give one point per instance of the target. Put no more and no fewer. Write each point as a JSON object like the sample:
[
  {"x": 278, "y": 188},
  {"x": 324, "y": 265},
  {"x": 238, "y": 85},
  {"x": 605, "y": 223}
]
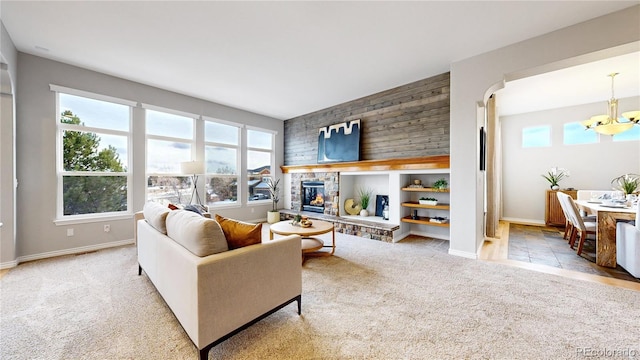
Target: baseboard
[
  {"x": 72, "y": 251},
  {"x": 524, "y": 221},
  {"x": 8, "y": 264},
  {"x": 431, "y": 235},
  {"x": 464, "y": 254}
]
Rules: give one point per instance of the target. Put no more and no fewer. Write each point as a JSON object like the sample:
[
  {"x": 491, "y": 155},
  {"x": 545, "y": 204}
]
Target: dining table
[{"x": 607, "y": 216}]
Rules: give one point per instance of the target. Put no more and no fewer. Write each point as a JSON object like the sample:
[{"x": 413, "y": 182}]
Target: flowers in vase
[
  {"x": 555, "y": 174},
  {"x": 627, "y": 183}
]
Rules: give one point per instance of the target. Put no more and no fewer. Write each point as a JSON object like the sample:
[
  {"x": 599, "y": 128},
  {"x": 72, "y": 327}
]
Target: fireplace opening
[{"x": 313, "y": 196}]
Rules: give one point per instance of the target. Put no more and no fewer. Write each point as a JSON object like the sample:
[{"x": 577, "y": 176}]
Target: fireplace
[{"x": 313, "y": 196}]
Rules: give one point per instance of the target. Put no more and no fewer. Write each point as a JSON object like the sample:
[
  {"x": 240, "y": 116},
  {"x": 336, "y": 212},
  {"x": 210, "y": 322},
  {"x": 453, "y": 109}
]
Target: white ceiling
[
  {"x": 284, "y": 59},
  {"x": 583, "y": 84}
]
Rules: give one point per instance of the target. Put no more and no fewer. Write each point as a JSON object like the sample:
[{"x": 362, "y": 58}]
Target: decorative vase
[
  {"x": 555, "y": 187},
  {"x": 364, "y": 212},
  {"x": 273, "y": 217}
]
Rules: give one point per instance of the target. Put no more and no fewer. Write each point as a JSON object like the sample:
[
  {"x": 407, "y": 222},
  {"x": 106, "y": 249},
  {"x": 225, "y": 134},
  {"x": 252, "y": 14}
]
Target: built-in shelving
[
  {"x": 424, "y": 189},
  {"x": 423, "y": 220},
  {"x": 415, "y": 205}
]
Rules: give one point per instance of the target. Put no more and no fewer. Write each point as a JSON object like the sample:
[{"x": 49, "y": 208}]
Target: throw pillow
[
  {"x": 156, "y": 216},
  {"x": 239, "y": 233},
  {"x": 197, "y": 234},
  {"x": 173, "y": 207}
]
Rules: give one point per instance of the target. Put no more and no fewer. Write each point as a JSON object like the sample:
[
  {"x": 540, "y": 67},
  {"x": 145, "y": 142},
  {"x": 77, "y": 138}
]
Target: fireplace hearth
[{"x": 313, "y": 196}]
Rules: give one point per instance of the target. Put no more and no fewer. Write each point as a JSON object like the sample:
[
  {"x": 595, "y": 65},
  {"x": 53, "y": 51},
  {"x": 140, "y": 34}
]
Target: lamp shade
[{"x": 192, "y": 167}]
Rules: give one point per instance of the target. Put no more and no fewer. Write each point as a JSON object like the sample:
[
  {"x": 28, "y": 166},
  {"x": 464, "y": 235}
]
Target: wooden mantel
[{"x": 417, "y": 163}]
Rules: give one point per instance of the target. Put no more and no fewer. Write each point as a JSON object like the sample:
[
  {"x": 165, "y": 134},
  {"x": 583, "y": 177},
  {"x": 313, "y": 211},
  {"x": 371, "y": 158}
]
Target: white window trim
[
  {"x": 60, "y": 218},
  {"x": 238, "y": 148},
  {"x": 274, "y": 132},
  {"x": 224, "y": 122},
  {"x": 91, "y": 95},
  {"x": 169, "y": 111},
  {"x": 271, "y": 151},
  {"x": 193, "y": 142}
]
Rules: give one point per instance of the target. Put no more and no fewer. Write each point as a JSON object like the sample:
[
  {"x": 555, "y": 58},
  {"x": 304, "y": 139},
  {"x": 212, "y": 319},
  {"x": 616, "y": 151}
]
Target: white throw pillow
[
  {"x": 156, "y": 215},
  {"x": 200, "y": 235}
]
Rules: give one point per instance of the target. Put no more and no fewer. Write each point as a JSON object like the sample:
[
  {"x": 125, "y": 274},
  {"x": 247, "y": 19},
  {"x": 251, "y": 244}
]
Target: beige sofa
[{"x": 216, "y": 296}]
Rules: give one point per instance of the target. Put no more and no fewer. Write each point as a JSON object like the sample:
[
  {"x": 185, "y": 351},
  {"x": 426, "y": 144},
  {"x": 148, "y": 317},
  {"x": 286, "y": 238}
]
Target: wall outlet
[
  {"x": 107, "y": 228},
  {"x": 69, "y": 232}
]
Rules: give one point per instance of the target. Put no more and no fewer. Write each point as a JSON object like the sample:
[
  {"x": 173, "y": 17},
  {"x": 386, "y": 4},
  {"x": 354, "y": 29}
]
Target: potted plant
[
  {"x": 365, "y": 197},
  {"x": 428, "y": 201},
  {"x": 273, "y": 215},
  {"x": 554, "y": 175},
  {"x": 627, "y": 183},
  {"x": 440, "y": 184}
]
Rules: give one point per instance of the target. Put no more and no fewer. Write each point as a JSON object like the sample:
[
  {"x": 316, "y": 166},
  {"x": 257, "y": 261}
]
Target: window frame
[
  {"x": 549, "y": 137},
  {"x": 272, "y": 153},
  {"x": 238, "y": 147},
  {"x": 192, "y": 142},
  {"x": 61, "y": 218}
]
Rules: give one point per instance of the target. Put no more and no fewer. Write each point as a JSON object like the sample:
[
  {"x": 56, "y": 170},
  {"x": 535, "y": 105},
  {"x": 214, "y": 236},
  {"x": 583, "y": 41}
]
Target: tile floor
[{"x": 545, "y": 245}]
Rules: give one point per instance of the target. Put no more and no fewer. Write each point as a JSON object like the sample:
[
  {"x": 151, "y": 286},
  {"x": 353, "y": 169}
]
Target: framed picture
[{"x": 381, "y": 201}]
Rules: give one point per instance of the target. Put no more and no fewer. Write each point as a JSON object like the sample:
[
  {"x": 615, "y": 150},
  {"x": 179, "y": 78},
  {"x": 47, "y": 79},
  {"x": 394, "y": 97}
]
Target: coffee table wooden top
[{"x": 285, "y": 228}]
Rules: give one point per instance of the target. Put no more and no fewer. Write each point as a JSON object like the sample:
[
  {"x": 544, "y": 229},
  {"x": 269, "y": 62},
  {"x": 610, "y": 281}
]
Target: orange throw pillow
[{"x": 238, "y": 233}]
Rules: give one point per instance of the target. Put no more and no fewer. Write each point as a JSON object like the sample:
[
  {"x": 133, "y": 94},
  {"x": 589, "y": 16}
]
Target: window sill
[{"x": 92, "y": 219}]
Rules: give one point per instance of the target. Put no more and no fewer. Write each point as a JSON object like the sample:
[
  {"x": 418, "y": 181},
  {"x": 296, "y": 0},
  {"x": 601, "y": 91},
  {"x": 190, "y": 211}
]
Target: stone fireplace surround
[{"x": 330, "y": 175}]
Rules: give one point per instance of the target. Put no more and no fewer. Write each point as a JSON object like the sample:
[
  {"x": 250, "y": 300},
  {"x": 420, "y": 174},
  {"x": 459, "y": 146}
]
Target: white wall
[
  {"x": 474, "y": 79},
  {"x": 37, "y": 234},
  {"x": 8, "y": 76},
  {"x": 592, "y": 166}
]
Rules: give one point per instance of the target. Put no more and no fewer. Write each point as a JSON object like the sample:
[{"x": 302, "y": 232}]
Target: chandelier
[{"x": 610, "y": 124}]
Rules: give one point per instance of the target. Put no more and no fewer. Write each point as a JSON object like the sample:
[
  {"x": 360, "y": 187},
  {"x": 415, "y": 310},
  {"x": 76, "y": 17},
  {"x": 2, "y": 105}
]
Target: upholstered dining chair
[
  {"x": 581, "y": 229},
  {"x": 568, "y": 226},
  {"x": 628, "y": 245}
]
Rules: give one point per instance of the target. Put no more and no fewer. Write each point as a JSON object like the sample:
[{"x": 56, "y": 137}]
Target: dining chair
[
  {"x": 628, "y": 245},
  {"x": 569, "y": 228},
  {"x": 581, "y": 228}
]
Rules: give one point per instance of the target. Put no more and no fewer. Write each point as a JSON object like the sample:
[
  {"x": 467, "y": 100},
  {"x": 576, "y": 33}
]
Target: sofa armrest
[
  {"x": 136, "y": 216},
  {"x": 239, "y": 285}
]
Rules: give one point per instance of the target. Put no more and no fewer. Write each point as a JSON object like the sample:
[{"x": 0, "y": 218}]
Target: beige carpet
[{"x": 372, "y": 300}]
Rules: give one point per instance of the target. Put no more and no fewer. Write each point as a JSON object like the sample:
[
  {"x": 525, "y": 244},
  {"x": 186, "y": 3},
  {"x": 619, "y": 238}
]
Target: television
[{"x": 339, "y": 142}]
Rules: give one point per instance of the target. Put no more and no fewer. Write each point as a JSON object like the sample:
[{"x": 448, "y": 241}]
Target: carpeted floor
[{"x": 372, "y": 300}]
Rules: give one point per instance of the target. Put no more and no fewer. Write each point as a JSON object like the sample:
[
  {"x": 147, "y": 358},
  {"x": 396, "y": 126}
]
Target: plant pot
[
  {"x": 364, "y": 212},
  {"x": 555, "y": 187},
  {"x": 273, "y": 217},
  {"x": 428, "y": 202}
]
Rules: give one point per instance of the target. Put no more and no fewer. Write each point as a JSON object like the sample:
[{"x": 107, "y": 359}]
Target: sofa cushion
[
  {"x": 200, "y": 235},
  {"x": 156, "y": 216},
  {"x": 238, "y": 233}
]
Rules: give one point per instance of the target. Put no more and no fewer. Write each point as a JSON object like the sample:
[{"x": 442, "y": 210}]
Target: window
[
  {"x": 170, "y": 141},
  {"x": 574, "y": 133},
  {"x": 260, "y": 155},
  {"x": 539, "y": 136},
  {"x": 222, "y": 141},
  {"x": 93, "y": 154}
]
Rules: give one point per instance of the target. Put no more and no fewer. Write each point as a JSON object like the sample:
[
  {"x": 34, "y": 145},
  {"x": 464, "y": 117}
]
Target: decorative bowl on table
[{"x": 306, "y": 223}]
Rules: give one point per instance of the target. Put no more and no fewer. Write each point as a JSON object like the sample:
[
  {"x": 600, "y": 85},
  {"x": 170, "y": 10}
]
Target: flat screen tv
[{"x": 339, "y": 142}]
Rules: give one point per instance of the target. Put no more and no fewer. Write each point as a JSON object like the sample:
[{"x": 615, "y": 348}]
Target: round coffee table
[{"x": 310, "y": 245}]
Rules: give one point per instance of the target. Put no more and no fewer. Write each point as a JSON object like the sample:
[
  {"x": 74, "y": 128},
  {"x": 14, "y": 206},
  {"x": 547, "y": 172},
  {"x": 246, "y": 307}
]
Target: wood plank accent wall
[{"x": 411, "y": 120}]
